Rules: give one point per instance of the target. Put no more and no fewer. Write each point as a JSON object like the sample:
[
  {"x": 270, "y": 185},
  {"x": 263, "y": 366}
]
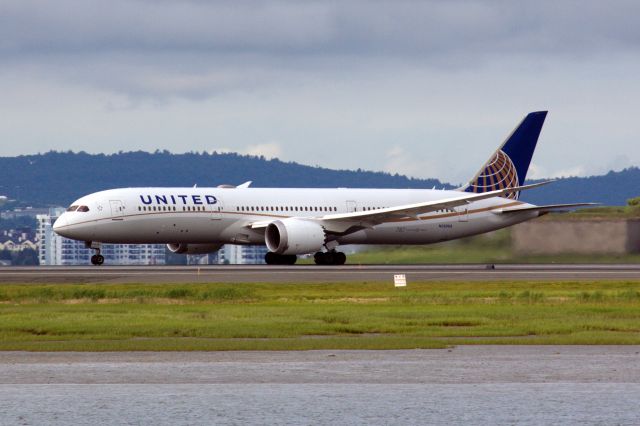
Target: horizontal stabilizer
[{"x": 548, "y": 208}]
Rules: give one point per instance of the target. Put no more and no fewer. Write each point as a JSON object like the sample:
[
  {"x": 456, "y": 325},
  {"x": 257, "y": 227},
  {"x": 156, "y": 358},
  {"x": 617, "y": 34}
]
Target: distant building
[
  {"x": 18, "y": 246},
  {"x": 246, "y": 255},
  {"x": 26, "y": 212},
  {"x": 23, "y": 238},
  {"x": 56, "y": 250},
  {"x": 231, "y": 254}
]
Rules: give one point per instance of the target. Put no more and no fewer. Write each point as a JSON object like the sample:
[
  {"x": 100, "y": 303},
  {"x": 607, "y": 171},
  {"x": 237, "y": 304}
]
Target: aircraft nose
[{"x": 60, "y": 223}]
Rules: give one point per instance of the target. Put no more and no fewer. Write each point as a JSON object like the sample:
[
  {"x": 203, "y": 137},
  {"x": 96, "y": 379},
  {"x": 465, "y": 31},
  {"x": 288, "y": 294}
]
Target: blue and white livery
[{"x": 296, "y": 221}]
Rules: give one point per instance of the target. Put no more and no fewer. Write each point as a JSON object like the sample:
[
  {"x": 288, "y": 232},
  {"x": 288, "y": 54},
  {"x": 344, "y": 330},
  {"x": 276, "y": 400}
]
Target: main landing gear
[
  {"x": 330, "y": 258},
  {"x": 280, "y": 259},
  {"x": 97, "y": 258}
]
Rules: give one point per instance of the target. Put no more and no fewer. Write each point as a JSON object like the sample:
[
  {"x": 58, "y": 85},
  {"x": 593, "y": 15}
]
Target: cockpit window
[
  {"x": 83, "y": 209},
  {"x": 72, "y": 208}
]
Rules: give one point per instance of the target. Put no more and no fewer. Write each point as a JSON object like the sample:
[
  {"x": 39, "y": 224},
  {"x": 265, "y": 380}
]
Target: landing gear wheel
[
  {"x": 97, "y": 259},
  {"x": 330, "y": 258},
  {"x": 270, "y": 258},
  {"x": 280, "y": 259}
]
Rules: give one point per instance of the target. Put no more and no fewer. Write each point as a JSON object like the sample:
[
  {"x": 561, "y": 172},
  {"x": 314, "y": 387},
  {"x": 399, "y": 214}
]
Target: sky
[{"x": 423, "y": 88}]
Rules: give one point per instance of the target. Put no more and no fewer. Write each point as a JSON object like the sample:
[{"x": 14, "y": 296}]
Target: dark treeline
[{"x": 57, "y": 178}]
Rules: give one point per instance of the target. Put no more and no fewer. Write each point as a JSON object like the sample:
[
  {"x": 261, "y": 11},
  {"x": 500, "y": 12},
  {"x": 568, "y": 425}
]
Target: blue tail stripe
[
  {"x": 520, "y": 146},
  {"x": 509, "y": 165}
]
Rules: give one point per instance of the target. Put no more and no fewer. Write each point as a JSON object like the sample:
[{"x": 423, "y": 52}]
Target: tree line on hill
[{"x": 58, "y": 178}]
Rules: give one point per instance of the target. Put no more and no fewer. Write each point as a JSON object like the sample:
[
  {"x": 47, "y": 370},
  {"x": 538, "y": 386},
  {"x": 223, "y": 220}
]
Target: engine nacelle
[
  {"x": 294, "y": 236},
  {"x": 193, "y": 248}
]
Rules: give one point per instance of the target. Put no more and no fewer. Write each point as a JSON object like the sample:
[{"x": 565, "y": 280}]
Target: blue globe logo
[{"x": 499, "y": 173}]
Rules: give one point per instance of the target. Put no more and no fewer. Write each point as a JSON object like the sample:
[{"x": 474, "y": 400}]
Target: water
[
  {"x": 530, "y": 385},
  {"x": 294, "y": 404}
]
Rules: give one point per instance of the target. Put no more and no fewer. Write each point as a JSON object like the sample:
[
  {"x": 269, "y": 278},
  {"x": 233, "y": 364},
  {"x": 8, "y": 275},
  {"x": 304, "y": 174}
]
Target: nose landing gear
[{"x": 97, "y": 258}]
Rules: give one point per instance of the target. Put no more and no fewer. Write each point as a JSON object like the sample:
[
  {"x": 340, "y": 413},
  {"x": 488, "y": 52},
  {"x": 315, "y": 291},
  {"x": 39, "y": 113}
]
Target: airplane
[{"x": 301, "y": 221}]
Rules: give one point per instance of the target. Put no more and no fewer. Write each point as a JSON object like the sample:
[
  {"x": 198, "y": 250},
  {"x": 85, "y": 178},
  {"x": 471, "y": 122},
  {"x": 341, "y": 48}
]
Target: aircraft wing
[
  {"x": 341, "y": 221},
  {"x": 546, "y": 209},
  {"x": 414, "y": 210}
]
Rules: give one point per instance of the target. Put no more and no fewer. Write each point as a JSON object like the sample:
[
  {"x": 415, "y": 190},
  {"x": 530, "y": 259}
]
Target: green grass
[
  {"x": 493, "y": 247},
  {"x": 452, "y": 253},
  {"x": 604, "y": 212},
  {"x": 94, "y": 317}
]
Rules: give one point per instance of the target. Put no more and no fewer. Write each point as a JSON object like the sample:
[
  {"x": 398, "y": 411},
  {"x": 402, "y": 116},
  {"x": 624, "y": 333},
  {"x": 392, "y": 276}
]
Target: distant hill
[
  {"x": 613, "y": 189},
  {"x": 57, "y": 178}
]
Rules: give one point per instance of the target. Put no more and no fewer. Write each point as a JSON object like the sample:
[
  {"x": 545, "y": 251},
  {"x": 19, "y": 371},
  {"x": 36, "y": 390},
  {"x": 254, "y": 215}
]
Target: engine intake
[
  {"x": 294, "y": 236},
  {"x": 182, "y": 248}
]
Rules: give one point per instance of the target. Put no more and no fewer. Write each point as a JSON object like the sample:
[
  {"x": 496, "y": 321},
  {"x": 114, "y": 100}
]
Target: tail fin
[{"x": 507, "y": 167}]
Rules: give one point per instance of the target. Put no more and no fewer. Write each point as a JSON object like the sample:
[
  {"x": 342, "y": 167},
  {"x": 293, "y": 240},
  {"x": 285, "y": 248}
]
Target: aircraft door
[
  {"x": 463, "y": 214},
  {"x": 352, "y": 206},
  {"x": 216, "y": 209},
  {"x": 117, "y": 210}
]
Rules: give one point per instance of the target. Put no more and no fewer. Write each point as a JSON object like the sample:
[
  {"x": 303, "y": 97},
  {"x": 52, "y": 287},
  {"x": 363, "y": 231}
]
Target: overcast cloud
[{"x": 424, "y": 88}]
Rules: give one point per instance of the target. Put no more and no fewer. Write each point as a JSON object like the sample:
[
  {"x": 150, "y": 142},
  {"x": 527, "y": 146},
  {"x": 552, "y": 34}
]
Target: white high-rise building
[
  {"x": 231, "y": 254},
  {"x": 56, "y": 250},
  {"x": 237, "y": 254}
]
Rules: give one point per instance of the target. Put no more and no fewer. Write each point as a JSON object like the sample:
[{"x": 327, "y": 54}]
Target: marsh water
[{"x": 465, "y": 385}]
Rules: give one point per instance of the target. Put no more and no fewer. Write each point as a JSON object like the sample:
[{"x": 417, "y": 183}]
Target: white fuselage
[{"x": 225, "y": 215}]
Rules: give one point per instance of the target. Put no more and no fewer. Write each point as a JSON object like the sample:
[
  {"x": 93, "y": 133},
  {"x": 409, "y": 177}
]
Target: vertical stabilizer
[{"x": 508, "y": 166}]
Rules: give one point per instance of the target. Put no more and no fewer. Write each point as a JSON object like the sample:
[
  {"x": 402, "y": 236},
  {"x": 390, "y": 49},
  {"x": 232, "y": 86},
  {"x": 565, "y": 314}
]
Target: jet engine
[
  {"x": 294, "y": 236},
  {"x": 182, "y": 248}
]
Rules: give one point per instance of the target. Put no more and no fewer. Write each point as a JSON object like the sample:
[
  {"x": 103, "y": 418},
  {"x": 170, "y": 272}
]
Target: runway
[{"x": 314, "y": 274}]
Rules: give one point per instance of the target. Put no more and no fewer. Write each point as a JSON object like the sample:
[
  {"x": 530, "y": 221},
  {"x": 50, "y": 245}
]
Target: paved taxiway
[{"x": 312, "y": 273}]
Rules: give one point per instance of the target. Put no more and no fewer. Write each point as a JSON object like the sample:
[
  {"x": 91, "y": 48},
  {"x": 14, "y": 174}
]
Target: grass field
[
  {"x": 494, "y": 247},
  {"x": 315, "y": 316}
]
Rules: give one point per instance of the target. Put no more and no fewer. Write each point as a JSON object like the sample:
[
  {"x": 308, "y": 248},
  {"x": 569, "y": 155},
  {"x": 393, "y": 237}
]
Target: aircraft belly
[
  {"x": 167, "y": 229},
  {"x": 430, "y": 231}
]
